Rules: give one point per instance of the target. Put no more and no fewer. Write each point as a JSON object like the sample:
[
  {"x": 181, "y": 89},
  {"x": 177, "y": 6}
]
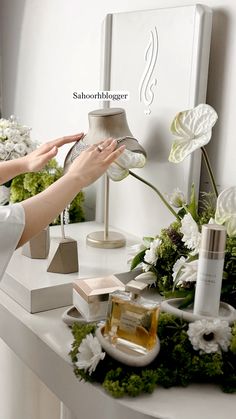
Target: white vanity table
[{"x": 43, "y": 341}]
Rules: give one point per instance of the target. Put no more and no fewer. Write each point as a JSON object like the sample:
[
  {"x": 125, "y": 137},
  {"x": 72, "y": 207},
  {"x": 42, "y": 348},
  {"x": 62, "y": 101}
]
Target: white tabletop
[{"x": 43, "y": 341}]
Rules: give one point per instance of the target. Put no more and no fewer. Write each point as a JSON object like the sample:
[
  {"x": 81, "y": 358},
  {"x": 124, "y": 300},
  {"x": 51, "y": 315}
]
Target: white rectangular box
[{"x": 29, "y": 284}]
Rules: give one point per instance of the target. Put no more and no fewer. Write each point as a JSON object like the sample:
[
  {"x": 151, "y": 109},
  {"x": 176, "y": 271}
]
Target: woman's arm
[
  {"x": 34, "y": 161},
  {"x": 43, "y": 208}
]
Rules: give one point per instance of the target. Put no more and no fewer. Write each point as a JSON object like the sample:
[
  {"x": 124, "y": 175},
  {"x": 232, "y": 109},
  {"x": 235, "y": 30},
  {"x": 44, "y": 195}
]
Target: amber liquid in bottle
[{"x": 132, "y": 322}]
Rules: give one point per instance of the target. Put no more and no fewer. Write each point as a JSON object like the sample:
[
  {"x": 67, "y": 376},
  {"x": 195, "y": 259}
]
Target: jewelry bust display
[{"x": 110, "y": 123}]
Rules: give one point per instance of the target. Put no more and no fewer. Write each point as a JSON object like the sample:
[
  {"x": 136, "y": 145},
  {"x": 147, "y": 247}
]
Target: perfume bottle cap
[
  {"x": 136, "y": 287},
  {"x": 213, "y": 238}
]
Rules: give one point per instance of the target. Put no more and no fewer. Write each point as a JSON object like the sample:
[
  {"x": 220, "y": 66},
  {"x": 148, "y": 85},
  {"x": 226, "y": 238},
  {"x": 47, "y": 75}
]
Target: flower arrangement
[
  {"x": 15, "y": 142},
  {"x": 170, "y": 260},
  {"x": 15, "y": 139},
  {"x": 199, "y": 351},
  {"x": 202, "y": 351}
]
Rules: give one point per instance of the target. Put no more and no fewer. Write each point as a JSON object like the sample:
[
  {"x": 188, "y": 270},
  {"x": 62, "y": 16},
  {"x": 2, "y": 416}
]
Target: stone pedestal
[
  {"x": 63, "y": 256},
  {"x": 38, "y": 247}
]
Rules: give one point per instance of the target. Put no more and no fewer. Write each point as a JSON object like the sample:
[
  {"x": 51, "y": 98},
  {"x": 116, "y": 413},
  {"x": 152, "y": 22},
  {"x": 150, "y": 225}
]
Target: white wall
[{"x": 52, "y": 47}]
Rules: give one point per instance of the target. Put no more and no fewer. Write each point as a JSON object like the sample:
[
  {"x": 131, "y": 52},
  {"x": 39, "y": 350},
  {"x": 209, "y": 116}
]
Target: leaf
[
  {"x": 137, "y": 259},
  {"x": 148, "y": 239},
  {"x": 187, "y": 300}
]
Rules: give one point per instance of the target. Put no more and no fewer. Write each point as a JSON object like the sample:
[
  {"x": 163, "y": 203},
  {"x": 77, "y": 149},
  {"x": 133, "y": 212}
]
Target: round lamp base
[{"x": 112, "y": 241}]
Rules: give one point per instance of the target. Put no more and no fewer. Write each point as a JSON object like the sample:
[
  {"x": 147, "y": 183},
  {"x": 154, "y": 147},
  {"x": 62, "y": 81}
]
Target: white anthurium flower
[
  {"x": 193, "y": 129},
  {"x": 127, "y": 160},
  {"x": 151, "y": 253},
  {"x": 226, "y": 210},
  {"x": 191, "y": 235},
  {"x": 146, "y": 277},
  {"x": 210, "y": 335},
  {"x": 177, "y": 198},
  {"x": 90, "y": 354},
  {"x": 186, "y": 271}
]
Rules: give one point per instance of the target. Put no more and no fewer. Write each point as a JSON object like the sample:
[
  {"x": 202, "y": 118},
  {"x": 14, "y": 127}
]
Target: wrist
[
  {"x": 74, "y": 180},
  {"x": 23, "y": 165},
  {"x": 20, "y": 166}
]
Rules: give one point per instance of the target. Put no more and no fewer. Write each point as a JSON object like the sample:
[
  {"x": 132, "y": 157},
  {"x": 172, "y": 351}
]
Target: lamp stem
[
  {"x": 106, "y": 207},
  {"x": 158, "y": 193}
]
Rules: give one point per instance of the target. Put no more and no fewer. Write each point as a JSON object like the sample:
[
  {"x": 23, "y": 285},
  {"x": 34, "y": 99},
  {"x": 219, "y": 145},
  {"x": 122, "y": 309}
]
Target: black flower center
[{"x": 208, "y": 336}]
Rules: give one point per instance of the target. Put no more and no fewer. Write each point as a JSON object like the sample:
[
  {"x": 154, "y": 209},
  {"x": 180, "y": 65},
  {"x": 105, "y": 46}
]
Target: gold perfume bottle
[{"x": 131, "y": 319}]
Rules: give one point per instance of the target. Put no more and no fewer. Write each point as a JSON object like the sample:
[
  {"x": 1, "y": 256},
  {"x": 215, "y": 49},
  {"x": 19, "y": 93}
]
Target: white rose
[{"x": 20, "y": 149}]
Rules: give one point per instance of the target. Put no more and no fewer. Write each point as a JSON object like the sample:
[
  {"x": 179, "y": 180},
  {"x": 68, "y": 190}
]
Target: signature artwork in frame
[{"x": 161, "y": 57}]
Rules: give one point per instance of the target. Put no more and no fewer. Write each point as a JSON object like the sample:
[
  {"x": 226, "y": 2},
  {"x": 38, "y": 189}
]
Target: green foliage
[
  {"x": 233, "y": 342},
  {"x": 137, "y": 259},
  {"x": 229, "y": 279},
  {"x": 177, "y": 364},
  {"x": 192, "y": 206},
  {"x": 169, "y": 251},
  {"x": 172, "y": 248},
  {"x": 30, "y": 184},
  {"x": 79, "y": 332}
]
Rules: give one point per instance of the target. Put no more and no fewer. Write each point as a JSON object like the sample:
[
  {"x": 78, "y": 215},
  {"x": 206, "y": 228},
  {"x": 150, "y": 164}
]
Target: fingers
[
  {"x": 106, "y": 150},
  {"x": 114, "y": 154},
  {"x": 45, "y": 157},
  {"x": 65, "y": 140}
]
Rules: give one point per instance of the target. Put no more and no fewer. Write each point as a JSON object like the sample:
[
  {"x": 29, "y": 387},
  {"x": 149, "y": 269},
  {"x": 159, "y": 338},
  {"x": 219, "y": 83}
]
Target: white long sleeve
[{"x": 12, "y": 222}]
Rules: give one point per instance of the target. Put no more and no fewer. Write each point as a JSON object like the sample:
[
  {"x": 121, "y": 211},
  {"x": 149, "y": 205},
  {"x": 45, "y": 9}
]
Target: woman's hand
[
  {"x": 42, "y": 208},
  {"x": 94, "y": 161},
  {"x": 38, "y": 158}
]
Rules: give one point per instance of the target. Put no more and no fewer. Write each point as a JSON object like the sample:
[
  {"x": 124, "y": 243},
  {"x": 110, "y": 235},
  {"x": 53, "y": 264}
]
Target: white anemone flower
[
  {"x": 226, "y": 210},
  {"x": 193, "y": 129},
  {"x": 177, "y": 198},
  {"x": 191, "y": 235},
  {"x": 210, "y": 335},
  {"x": 186, "y": 271},
  {"x": 90, "y": 354}
]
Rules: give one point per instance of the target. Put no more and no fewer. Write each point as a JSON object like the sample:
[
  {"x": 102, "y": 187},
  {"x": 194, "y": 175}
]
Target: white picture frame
[{"x": 161, "y": 58}]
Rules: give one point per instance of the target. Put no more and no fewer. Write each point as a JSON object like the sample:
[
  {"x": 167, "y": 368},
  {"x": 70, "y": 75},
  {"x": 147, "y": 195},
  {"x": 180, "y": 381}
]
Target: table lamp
[{"x": 105, "y": 123}]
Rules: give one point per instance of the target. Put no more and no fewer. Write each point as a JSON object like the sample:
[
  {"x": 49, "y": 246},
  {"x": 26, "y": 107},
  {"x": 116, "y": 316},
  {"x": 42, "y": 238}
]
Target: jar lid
[{"x": 213, "y": 238}]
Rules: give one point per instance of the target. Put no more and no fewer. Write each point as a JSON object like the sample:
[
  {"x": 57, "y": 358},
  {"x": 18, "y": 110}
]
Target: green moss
[{"x": 177, "y": 364}]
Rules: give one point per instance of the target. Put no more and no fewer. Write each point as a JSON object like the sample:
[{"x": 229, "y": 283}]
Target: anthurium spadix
[
  {"x": 226, "y": 210},
  {"x": 193, "y": 129}
]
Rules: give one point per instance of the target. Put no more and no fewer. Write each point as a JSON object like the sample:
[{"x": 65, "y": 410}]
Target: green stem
[
  {"x": 158, "y": 193},
  {"x": 210, "y": 172}
]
